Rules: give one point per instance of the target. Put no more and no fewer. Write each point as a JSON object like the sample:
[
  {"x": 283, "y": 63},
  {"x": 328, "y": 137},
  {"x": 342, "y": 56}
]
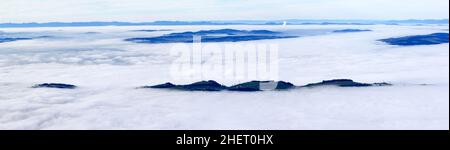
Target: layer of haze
[{"x": 144, "y": 10}]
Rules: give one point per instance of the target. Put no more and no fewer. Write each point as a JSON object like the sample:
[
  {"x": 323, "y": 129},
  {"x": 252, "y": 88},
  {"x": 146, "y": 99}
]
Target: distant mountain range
[
  {"x": 235, "y": 22},
  {"x": 223, "y": 35}
]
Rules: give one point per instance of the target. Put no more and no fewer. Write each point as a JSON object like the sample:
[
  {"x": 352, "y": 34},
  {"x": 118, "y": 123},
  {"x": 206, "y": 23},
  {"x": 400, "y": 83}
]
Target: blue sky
[{"x": 152, "y": 10}]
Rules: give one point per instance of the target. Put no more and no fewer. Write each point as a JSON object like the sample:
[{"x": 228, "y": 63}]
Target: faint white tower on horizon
[{"x": 284, "y": 23}]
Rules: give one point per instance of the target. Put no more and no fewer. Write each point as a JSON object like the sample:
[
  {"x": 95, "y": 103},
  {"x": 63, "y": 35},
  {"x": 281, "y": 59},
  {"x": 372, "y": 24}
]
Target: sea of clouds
[{"x": 108, "y": 69}]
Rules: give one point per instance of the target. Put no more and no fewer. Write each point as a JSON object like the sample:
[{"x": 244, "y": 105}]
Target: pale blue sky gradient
[{"x": 186, "y": 10}]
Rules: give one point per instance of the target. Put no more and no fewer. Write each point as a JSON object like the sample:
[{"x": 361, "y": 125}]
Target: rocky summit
[
  {"x": 254, "y": 86},
  {"x": 55, "y": 85},
  {"x": 198, "y": 86},
  {"x": 262, "y": 85},
  {"x": 430, "y": 39},
  {"x": 344, "y": 83}
]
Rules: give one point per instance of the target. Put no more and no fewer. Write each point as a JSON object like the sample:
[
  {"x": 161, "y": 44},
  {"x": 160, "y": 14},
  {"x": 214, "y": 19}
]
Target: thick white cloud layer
[
  {"x": 145, "y": 10},
  {"x": 108, "y": 70}
]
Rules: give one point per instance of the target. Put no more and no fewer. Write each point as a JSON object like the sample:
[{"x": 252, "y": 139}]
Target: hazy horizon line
[{"x": 255, "y": 20}]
